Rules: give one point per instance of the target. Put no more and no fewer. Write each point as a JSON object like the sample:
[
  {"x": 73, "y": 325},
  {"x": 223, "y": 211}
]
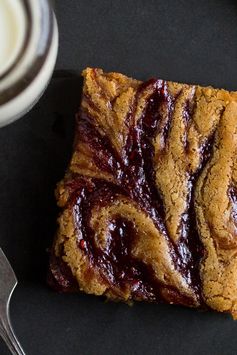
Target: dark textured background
[{"x": 192, "y": 41}]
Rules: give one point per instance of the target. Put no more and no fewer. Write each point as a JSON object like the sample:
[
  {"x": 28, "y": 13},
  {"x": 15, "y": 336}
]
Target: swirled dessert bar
[{"x": 149, "y": 200}]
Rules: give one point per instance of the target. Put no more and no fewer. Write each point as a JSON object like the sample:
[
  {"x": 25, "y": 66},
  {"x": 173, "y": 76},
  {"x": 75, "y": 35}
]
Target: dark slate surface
[{"x": 192, "y": 41}]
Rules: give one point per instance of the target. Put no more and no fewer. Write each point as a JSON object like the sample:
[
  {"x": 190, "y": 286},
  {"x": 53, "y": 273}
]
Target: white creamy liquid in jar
[{"x": 12, "y": 32}]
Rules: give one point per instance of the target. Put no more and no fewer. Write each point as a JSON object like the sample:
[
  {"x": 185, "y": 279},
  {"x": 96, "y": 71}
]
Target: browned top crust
[{"x": 149, "y": 203}]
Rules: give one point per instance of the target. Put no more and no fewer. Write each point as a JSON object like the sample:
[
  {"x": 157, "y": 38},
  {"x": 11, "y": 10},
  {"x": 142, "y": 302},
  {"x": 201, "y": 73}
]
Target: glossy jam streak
[
  {"x": 233, "y": 197},
  {"x": 139, "y": 175},
  {"x": 104, "y": 155},
  {"x": 233, "y": 194},
  {"x": 140, "y": 152},
  {"x": 187, "y": 114},
  {"x": 122, "y": 269},
  {"x": 60, "y": 276},
  {"x": 190, "y": 248},
  {"x": 118, "y": 267},
  {"x": 117, "y": 263}
]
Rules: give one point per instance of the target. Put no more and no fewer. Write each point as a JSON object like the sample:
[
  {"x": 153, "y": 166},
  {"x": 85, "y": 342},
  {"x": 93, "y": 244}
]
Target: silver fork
[{"x": 8, "y": 283}]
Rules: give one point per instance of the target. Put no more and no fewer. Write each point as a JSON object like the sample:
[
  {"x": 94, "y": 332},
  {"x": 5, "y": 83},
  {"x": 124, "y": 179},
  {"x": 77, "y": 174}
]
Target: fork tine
[{"x": 8, "y": 280}]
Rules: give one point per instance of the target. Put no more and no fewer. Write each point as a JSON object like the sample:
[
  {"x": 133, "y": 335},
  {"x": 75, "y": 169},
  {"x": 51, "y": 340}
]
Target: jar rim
[{"x": 39, "y": 31}]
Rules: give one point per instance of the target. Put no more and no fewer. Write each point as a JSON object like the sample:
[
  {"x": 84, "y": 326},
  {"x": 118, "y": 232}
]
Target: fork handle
[{"x": 7, "y": 334}]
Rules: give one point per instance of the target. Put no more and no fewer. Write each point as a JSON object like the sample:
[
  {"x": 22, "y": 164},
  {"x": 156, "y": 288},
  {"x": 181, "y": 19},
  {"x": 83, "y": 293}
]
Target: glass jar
[{"x": 28, "y": 47}]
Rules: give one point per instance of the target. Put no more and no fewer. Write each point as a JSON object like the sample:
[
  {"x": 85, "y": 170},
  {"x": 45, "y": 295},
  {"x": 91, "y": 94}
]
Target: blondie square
[{"x": 149, "y": 200}]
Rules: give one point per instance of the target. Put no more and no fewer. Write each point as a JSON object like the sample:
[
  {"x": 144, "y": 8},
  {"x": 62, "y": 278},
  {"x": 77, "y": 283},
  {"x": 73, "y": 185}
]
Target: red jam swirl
[{"x": 134, "y": 174}]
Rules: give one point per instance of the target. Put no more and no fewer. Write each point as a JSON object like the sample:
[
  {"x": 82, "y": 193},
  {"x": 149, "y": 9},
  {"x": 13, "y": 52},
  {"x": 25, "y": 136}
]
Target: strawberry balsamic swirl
[{"x": 107, "y": 210}]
